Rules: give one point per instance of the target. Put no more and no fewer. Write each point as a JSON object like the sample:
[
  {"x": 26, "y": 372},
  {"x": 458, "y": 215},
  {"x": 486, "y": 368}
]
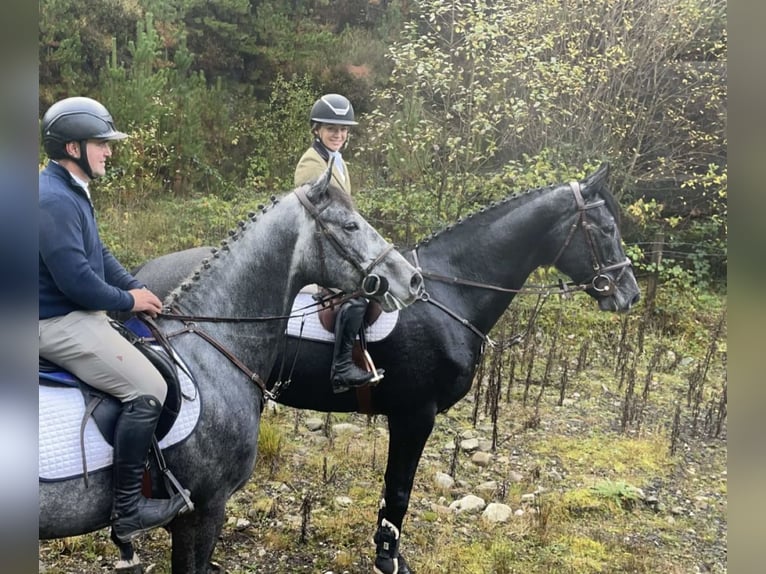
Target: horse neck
[
  {"x": 253, "y": 277},
  {"x": 500, "y": 246}
]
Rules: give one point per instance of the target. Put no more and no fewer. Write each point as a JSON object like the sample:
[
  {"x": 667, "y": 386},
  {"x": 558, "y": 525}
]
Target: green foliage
[
  {"x": 75, "y": 43},
  {"x": 136, "y": 232},
  {"x": 623, "y": 494},
  {"x": 279, "y": 134}
]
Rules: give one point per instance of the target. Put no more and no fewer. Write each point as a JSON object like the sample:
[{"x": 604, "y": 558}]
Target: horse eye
[{"x": 351, "y": 226}]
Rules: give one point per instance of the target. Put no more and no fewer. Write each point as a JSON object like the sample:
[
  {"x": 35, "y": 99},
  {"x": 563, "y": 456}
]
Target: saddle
[
  {"x": 329, "y": 312},
  {"x": 103, "y": 407}
]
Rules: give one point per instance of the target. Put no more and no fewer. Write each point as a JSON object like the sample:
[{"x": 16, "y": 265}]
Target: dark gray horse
[
  {"x": 312, "y": 235},
  {"x": 473, "y": 271}
]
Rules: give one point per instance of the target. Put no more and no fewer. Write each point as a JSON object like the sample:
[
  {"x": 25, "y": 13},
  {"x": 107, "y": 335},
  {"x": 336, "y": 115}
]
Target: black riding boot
[
  {"x": 133, "y": 514},
  {"x": 345, "y": 373}
]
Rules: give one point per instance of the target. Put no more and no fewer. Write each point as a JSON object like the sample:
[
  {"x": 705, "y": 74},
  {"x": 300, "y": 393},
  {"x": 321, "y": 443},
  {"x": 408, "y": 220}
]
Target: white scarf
[{"x": 339, "y": 163}]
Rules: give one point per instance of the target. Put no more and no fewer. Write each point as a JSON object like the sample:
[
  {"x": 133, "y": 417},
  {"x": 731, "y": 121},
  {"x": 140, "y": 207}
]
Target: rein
[
  {"x": 370, "y": 285},
  {"x": 174, "y": 312}
]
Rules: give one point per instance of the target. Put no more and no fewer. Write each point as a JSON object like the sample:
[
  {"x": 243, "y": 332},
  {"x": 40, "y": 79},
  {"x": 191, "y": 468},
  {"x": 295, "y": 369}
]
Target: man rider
[{"x": 79, "y": 281}]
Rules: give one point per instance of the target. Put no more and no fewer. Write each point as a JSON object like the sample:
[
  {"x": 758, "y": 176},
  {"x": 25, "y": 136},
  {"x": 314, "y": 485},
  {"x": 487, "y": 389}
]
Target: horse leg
[
  {"x": 194, "y": 539},
  {"x": 129, "y": 562},
  {"x": 408, "y": 435}
]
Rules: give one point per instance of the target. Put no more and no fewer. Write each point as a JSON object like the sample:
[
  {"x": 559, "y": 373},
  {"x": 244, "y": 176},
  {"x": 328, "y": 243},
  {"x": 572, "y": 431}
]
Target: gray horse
[{"x": 312, "y": 235}]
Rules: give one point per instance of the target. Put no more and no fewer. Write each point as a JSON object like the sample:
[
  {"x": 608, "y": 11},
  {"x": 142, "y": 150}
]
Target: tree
[{"x": 486, "y": 96}]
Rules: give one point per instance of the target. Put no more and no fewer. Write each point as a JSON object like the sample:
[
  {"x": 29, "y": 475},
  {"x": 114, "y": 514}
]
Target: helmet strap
[{"x": 82, "y": 161}]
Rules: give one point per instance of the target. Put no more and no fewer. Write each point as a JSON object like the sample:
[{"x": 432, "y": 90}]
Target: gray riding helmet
[
  {"x": 333, "y": 109},
  {"x": 77, "y": 119}
]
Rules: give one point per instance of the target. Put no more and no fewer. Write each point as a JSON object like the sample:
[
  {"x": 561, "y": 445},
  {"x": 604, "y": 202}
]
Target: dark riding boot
[
  {"x": 133, "y": 514},
  {"x": 345, "y": 374},
  {"x": 387, "y": 549}
]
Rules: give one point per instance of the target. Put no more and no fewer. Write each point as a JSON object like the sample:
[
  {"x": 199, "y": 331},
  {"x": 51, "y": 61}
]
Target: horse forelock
[
  {"x": 600, "y": 187},
  {"x": 337, "y": 195}
]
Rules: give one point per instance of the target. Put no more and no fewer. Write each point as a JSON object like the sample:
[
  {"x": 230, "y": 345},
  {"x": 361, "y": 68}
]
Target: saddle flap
[
  {"x": 107, "y": 407},
  {"x": 329, "y": 313}
]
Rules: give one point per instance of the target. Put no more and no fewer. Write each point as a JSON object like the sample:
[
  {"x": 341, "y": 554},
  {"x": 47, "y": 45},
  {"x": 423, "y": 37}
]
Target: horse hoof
[
  {"x": 132, "y": 566},
  {"x": 402, "y": 567}
]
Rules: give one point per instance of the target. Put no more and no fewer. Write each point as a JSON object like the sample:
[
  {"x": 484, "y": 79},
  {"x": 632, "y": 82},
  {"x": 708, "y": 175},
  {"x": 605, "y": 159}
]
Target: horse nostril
[
  {"x": 416, "y": 284},
  {"x": 635, "y": 299}
]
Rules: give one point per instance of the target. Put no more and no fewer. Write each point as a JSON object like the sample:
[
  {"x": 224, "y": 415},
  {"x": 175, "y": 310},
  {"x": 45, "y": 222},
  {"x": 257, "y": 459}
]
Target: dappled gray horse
[
  {"x": 472, "y": 272},
  {"x": 312, "y": 235}
]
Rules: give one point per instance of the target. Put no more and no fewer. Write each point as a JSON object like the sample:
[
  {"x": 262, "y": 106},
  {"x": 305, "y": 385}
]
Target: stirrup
[{"x": 377, "y": 375}]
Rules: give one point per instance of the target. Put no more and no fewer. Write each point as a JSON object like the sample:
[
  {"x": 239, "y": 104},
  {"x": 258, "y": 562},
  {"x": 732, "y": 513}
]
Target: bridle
[
  {"x": 600, "y": 281},
  {"x": 372, "y": 284}
]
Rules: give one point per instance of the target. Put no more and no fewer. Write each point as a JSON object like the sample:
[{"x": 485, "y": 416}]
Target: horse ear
[
  {"x": 320, "y": 188},
  {"x": 599, "y": 176},
  {"x": 328, "y": 173}
]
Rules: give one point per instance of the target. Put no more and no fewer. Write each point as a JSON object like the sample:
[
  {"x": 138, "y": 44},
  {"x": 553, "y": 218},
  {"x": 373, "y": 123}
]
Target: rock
[
  {"x": 481, "y": 458},
  {"x": 241, "y": 523},
  {"x": 440, "y": 509},
  {"x": 469, "y": 445},
  {"x": 314, "y": 424},
  {"x": 514, "y": 476},
  {"x": 488, "y": 487},
  {"x": 528, "y": 498},
  {"x": 496, "y": 512},
  {"x": 444, "y": 480},
  {"x": 346, "y": 428},
  {"x": 469, "y": 504},
  {"x": 343, "y": 501}
]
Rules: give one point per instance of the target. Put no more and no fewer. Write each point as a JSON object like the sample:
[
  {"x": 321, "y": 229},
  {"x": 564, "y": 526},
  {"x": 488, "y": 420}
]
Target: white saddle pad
[
  {"x": 60, "y": 416},
  {"x": 304, "y": 306}
]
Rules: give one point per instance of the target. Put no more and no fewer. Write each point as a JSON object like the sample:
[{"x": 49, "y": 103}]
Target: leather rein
[
  {"x": 370, "y": 285},
  {"x": 600, "y": 281}
]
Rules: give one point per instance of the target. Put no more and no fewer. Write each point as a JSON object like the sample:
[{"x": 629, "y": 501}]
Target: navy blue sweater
[{"x": 76, "y": 270}]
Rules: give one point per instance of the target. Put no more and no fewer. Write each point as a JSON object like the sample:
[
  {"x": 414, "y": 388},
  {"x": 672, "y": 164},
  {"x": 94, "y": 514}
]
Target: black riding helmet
[
  {"x": 77, "y": 119},
  {"x": 332, "y": 109}
]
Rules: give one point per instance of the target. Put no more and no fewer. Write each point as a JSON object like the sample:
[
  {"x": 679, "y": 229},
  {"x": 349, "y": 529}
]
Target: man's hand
[{"x": 146, "y": 301}]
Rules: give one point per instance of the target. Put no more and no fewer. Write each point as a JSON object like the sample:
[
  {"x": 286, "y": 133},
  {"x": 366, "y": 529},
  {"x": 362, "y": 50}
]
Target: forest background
[{"x": 460, "y": 103}]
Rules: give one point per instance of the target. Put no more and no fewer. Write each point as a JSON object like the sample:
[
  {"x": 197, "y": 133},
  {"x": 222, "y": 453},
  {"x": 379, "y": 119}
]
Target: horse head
[
  {"x": 592, "y": 254},
  {"x": 379, "y": 271}
]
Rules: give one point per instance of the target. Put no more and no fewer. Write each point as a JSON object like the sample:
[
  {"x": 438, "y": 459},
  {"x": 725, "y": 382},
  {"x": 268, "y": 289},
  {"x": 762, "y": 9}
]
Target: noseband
[
  {"x": 600, "y": 281},
  {"x": 371, "y": 283}
]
